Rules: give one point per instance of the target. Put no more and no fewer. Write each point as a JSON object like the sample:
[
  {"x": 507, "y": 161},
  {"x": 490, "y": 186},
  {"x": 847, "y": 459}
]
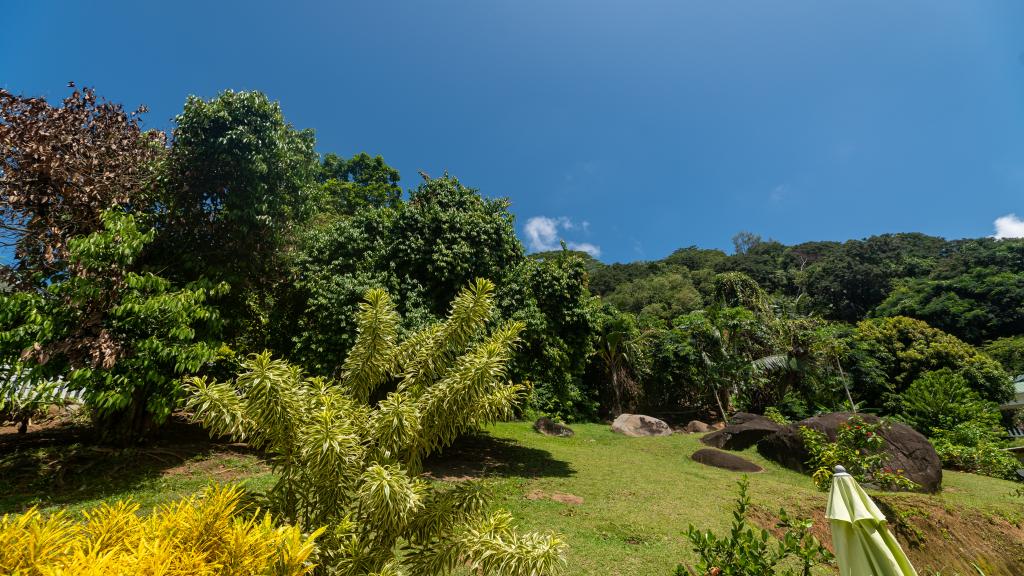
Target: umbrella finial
[{"x": 840, "y": 470}]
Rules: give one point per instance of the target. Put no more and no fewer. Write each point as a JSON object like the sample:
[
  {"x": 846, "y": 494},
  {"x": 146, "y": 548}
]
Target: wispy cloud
[
  {"x": 543, "y": 233},
  {"x": 1009, "y": 226},
  {"x": 778, "y": 194}
]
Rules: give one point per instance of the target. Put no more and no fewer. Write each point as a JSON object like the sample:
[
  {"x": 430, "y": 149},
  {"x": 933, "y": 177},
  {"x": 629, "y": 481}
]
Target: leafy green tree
[
  {"x": 889, "y": 354},
  {"x": 675, "y": 379},
  {"x": 852, "y": 280},
  {"x": 350, "y": 185},
  {"x": 237, "y": 182},
  {"x": 448, "y": 234},
  {"x": 661, "y": 297},
  {"x": 549, "y": 295},
  {"x": 725, "y": 339},
  {"x": 354, "y": 465},
  {"x": 123, "y": 338},
  {"x": 621, "y": 358},
  {"x": 1009, "y": 352},
  {"x": 979, "y": 305}
]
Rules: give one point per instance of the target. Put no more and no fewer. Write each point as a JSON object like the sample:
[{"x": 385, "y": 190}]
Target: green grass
[
  {"x": 78, "y": 477},
  {"x": 639, "y": 494}
]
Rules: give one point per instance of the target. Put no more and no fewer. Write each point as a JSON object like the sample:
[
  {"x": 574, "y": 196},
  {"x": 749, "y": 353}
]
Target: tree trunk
[{"x": 718, "y": 399}]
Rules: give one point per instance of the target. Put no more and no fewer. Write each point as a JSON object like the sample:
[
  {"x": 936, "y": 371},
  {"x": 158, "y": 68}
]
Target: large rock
[
  {"x": 549, "y": 427},
  {"x": 725, "y": 460},
  {"x": 743, "y": 431},
  {"x": 908, "y": 449},
  {"x": 697, "y": 427},
  {"x": 640, "y": 425}
]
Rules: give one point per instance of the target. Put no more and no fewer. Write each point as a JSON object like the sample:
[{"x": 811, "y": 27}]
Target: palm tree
[{"x": 622, "y": 351}]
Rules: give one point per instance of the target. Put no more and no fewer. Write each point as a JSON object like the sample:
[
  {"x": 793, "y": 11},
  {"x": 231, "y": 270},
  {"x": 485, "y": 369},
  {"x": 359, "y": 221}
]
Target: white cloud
[
  {"x": 1009, "y": 226},
  {"x": 587, "y": 247},
  {"x": 542, "y": 234}
]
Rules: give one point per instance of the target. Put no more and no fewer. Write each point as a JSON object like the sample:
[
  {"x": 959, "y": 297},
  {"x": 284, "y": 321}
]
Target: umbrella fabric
[{"x": 863, "y": 544}]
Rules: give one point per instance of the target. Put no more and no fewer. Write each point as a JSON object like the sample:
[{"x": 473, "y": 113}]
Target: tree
[
  {"x": 549, "y": 295},
  {"x": 61, "y": 168},
  {"x": 353, "y": 464},
  {"x": 121, "y": 337},
  {"x": 743, "y": 241},
  {"x": 889, "y": 354},
  {"x": 660, "y": 297},
  {"x": 448, "y": 234},
  {"x": 1009, "y": 352},
  {"x": 362, "y": 181},
  {"x": 622, "y": 357},
  {"x": 237, "y": 182}
]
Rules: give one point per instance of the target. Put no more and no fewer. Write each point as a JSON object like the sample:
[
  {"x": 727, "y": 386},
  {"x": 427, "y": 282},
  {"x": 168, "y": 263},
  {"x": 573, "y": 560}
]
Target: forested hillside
[
  {"x": 971, "y": 288},
  {"x": 142, "y": 258}
]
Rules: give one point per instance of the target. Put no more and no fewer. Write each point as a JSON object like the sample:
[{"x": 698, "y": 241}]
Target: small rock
[
  {"x": 697, "y": 427},
  {"x": 640, "y": 425},
  {"x": 549, "y": 427},
  {"x": 724, "y": 460}
]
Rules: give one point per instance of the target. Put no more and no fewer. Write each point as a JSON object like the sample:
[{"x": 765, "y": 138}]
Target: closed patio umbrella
[{"x": 863, "y": 544}]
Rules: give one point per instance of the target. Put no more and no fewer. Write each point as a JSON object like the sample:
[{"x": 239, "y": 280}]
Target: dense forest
[{"x": 141, "y": 257}]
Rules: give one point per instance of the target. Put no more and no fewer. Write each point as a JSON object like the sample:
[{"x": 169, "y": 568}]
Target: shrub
[
  {"x": 21, "y": 400},
  {"x": 775, "y": 415},
  {"x": 942, "y": 400},
  {"x": 748, "y": 552},
  {"x": 206, "y": 535},
  {"x": 121, "y": 337},
  {"x": 859, "y": 448},
  {"x": 352, "y": 463},
  {"x": 976, "y": 448}
]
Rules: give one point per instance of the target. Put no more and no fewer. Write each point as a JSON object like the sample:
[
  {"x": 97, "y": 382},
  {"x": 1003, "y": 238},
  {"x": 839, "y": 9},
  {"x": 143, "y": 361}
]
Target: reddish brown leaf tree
[{"x": 62, "y": 166}]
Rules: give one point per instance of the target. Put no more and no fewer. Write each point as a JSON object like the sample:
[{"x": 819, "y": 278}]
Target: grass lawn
[
  {"x": 622, "y": 504},
  {"x": 640, "y": 494}
]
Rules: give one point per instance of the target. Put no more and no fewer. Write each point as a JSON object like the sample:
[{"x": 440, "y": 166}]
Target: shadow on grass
[
  {"x": 480, "y": 455},
  {"x": 64, "y": 465}
]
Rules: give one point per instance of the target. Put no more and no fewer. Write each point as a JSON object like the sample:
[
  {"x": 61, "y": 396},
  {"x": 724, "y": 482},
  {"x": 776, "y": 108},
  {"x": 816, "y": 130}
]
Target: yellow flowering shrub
[{"x": 201, "y": 535}]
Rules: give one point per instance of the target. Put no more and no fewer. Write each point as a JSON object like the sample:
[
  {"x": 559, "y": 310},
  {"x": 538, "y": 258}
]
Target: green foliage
[
  {"x": 354, "y": 465},
  {"x": 858, "y": 447},
  {"x": 889, "y": 354},
  {"x": 549, "y": 295},
  {"x": 661, "y": 297},
  {"x": 976, "y": 447},
  {"x": 749, "y": 552},
  {"x": 123, "y": 338},
  {"x": 358, "y": 183},
  {"x": 775, "y": 415},
  {"x": 448, "y": 234},
  {"x": 622, "y": 357},
  {"x": 1009, "y": 352},
  {"x": 237, "y": 181},
  {"x": 942, "y": 400},
  {"x": 22, "y": 399}
]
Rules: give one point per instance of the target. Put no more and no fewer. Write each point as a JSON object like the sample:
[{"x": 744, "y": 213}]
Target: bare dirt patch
[
  {"x": 937, "y": 539},
  {"x": 555, "y": 496}
]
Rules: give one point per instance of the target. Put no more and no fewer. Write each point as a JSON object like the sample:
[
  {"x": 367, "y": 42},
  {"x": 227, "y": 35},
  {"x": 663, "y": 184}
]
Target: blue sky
[{"x": 628, "y": 128}]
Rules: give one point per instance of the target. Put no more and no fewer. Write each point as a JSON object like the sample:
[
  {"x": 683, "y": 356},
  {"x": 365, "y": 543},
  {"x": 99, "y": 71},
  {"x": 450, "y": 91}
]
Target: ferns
[
  {"x": 354, "y": 466},
  {"x": 203, "y": 535}
]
